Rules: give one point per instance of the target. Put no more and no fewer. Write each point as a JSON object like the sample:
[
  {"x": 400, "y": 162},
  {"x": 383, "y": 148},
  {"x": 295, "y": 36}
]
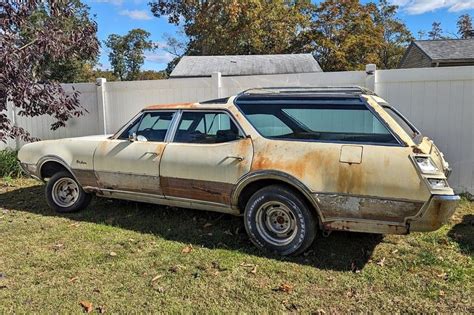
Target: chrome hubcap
[
  {"x": 65, "y": 192},
  {"x": 276, "y": 223}
]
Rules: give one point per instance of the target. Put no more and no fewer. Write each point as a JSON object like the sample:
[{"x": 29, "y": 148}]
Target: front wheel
[
  {"x": 278, "y": 220},
  {"x": 64, "y": 194}
]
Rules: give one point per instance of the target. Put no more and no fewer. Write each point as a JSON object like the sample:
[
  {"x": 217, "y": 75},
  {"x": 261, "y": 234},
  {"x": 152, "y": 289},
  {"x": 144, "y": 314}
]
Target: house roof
[
  {"x": 235, "y": 65},
  {"x": 447, "y": 49}
]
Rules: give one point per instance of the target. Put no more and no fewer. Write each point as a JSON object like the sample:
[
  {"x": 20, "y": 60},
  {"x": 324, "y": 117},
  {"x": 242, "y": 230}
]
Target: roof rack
[{"x": 347, "y": 90}]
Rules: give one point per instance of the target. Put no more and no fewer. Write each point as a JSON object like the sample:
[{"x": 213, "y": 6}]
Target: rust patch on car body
[
  {"x": 85, "y": 177},
  {"x": 217, "y": 192},
  {"x": 367, "y": 208},
  {"x": 172, "y": 106}
]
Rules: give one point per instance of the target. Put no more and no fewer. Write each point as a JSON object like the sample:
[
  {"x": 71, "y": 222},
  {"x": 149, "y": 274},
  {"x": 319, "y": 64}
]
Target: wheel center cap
[{"x": 280, "y": 220}]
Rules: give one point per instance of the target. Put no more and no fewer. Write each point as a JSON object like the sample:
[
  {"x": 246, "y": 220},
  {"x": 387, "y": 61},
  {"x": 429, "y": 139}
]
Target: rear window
[
  {"x": 403, "y": 122},
  {"x": 319, "y": 122}
]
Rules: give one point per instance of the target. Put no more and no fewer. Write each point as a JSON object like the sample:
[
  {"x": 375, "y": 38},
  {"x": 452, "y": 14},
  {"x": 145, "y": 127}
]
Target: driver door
[{"x": 131, "y": 162}]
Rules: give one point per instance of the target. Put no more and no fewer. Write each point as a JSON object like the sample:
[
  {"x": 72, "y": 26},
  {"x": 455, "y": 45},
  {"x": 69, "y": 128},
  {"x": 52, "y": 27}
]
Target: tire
[
  {"x": 65, "y": 195},
  {"x": 279, "y": 221}
]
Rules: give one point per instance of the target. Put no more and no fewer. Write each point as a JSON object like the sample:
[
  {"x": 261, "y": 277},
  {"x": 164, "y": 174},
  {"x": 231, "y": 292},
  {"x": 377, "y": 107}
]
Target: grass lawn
[{"x": 120, "y": 256}]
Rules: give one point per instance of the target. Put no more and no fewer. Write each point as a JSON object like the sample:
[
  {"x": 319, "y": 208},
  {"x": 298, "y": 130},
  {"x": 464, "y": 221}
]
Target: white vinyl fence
[{"x": 439, "y": 101}]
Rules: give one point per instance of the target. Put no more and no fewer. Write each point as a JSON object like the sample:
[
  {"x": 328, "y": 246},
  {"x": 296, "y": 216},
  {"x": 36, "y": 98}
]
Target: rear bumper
[{"x": 434, "y": 213}]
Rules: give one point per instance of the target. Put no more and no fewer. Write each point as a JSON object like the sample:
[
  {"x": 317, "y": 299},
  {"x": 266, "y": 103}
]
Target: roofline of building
[{"x": 237, "y": 75}]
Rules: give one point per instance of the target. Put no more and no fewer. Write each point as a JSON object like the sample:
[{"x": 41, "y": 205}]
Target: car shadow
[
  {"x": 463, "y": 235},
  {"x": 341, "y": 251}
]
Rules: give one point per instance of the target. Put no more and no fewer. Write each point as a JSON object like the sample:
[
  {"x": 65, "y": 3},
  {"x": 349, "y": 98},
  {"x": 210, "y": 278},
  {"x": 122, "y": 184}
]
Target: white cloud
[
  {"x": 159, "y": 57},
  {"x": 136, "y": 14},
  {"x": 421, "y": 6}
]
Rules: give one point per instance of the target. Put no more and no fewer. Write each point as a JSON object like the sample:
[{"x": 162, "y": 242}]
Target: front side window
[
  {"x": 206, "y": 127},
  {"x": 151, "y": 126},
  {"x": 318, "y": 122}
]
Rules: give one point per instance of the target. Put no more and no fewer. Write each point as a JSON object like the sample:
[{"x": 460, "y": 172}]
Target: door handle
[{"x": 238, "y": 158}]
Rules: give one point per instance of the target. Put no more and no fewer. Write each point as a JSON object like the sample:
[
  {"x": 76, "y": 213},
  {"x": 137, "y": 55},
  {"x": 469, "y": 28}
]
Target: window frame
[
  {"x": 177, "y": 120},
  {"x": 139, "y": 117},
  {"x": 364, "y": 104}
]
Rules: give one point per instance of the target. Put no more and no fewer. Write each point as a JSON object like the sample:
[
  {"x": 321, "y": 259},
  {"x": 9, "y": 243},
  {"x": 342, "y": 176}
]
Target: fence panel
[
  {"x": 125, "y": 99},
  {"x": 440, "y": 102}
]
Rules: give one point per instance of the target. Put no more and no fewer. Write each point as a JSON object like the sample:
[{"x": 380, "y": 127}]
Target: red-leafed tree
[{"x": 36, "y": 35}]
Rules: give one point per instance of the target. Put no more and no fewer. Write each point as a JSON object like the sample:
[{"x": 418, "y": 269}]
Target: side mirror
[{"x": 132, "y": 137}]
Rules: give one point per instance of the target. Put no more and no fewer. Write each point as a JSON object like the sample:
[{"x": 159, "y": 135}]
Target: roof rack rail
[{"x": 352, "y": 90}]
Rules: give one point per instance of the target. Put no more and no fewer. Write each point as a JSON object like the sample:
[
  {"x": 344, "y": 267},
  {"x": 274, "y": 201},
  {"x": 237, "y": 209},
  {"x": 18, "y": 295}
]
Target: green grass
[
  {"x": 109, "y": 254},
  {"x": 9, "y": 167}
]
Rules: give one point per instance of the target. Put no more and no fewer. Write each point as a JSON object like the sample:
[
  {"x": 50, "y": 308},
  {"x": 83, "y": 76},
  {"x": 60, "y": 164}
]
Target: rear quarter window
[{"x": 318, "y": 122}]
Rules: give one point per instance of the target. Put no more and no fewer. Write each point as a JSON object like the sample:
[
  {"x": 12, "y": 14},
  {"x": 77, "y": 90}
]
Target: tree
[
  {"x": 395, "y": 33},
  {"x": 72, "y": 68},
  {"x": 236, "y": 27},
  {"x": 436, "y": 31},
  {"x": 344, "y": 36},
  {"x": 26, "y": 49},
  {"x": 464, "y": 24},
  {"x": 152, "y": 75},
  {"x": 127, "y": 53}
]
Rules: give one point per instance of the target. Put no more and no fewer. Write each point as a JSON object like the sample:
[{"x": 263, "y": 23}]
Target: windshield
[{"x": 318, "y": 122}]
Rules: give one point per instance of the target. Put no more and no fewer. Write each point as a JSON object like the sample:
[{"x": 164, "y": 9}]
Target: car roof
[{"x": 344, "y": 94}]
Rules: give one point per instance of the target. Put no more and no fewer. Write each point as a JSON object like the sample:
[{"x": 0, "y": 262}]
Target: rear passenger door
[{"x": 207, "y": 156}]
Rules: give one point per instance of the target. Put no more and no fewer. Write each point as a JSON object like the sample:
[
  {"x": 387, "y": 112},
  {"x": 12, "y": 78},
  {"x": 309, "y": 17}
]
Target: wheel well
[
  {"x": 50, "y": 168},
  {"x": 253, "y": 187}
]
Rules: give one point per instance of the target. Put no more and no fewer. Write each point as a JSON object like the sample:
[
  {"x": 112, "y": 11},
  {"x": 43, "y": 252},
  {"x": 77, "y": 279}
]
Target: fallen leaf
[
  {"x": 395, "y": 251},
  {"x": 100, "y": 309},
  {"x": 443, "y": 275},
  {"x": 381, "y": 262},
  {"x": 187, "y": 249},
  {"x": 246, "y": 265},
  {"x": 254, "y": 270},
  {"x": 207, "y": 225},
  {"x": 156, "y": 278},
  {"x": 73, "y": 279},
  {"x": 284, "y": 287},
  {"x": 87, "y": 306}
]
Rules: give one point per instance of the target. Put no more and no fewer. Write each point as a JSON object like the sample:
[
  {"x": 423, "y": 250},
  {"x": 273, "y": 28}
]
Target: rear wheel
[
  {"x": 64, "y": 194},
  {"x": 278, "y": 220}
]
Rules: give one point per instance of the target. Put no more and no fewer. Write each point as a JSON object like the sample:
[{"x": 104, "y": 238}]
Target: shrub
[{"x": 9, "y": 166}]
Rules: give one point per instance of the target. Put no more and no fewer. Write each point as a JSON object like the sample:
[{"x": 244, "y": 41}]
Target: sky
[{"x": 120, "y": 16}]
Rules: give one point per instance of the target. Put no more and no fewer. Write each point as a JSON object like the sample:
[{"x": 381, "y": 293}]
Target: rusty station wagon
[{"x": 290, "y": 160}]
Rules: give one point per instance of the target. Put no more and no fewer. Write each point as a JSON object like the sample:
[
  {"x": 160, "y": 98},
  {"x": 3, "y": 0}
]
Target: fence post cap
[
  {"x": 100, "y": 81},
  {"x": 370, "y": 68}
]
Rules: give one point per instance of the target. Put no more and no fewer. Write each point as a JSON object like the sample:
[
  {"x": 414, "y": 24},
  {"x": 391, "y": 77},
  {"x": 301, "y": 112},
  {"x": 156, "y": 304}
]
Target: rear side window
[
  {"x": 319, "y": 122},
  {"x": 206, "y": 127}
]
